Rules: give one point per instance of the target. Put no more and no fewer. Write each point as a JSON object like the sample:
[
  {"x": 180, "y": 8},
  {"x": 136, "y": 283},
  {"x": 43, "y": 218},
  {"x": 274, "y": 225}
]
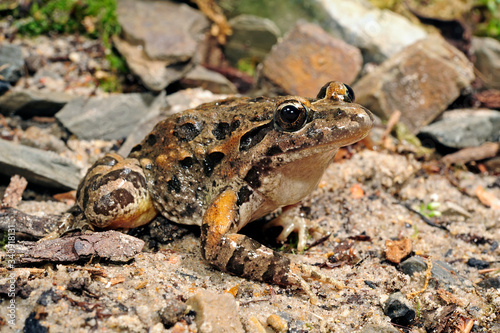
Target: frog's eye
[
  {"x": 290, "y": 116},
  {"x": 336, "y": 91},
  {"x": 349, "y": 95}
]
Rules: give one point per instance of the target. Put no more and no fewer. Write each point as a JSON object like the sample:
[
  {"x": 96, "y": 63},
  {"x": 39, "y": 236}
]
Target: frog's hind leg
[
  {"x": 243, "y": 256},
  {"x": 114, "y": 194}
]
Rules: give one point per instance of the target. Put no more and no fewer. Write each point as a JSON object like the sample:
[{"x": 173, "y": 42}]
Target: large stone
[
  {"x": 487, "y": 54},
  {"x": 420, "y": 81},
  {"x": 204, "y": 78},
  {"x": 215, "y": 312},
  {"x": 378, "y": 33},
  {"x": 11, "y": 62},
  {"x": 40, "y": 167},
  {"x": 463, "y": 128},
  {"x": 28, "y": 103},
  {"x": 284, "y": 13},
  {"x": 307, "y": 58},
  {"x": 159, "y": 39},
  {"x": 166, "y": 30},
  {"x": 108, "y": 118},
  {"x": 252, "y": 38}
]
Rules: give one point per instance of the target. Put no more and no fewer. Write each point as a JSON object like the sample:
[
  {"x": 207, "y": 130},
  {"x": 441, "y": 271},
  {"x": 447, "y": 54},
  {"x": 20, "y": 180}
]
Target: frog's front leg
[
  {"x": 291, "y": 219},
  {"x": 243, "y": 256}
]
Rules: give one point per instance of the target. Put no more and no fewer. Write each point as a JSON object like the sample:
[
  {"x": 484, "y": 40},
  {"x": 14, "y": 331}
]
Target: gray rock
[
  {"x": 413, "y": 265},
  {"x": 29, "y": 103},
  {"x": 379, "y": 34},
  {"x": 420, "y": 81},
  {"x": 159, "y": 39},
  {"x": 464, "y": 128},
  {"x": 297, "y": 68},
  {"x": 108, "y": 118},
  {"x": 206, "y": 79},
  {"x": 40, "y": 167},
  {"x": 398, "y": 308},
  {"x": 492, "y": 282},
  {"x": 11, "y": 62},
  {"x": 487, "y": 53},
  {"x": 215, "y": 312},
  {"x": 252, "y": 38},
  {"x": 447, "y": 276},
  {"x": 155, "y": 74}
]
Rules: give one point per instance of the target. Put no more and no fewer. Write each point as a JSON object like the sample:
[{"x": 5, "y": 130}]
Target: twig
[{"x": 423, "y": 217}]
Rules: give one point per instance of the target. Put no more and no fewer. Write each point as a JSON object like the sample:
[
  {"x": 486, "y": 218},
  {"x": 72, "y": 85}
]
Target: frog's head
[
  {"x": 332, "y": 120},
  {"x": 302, "y": 139}
]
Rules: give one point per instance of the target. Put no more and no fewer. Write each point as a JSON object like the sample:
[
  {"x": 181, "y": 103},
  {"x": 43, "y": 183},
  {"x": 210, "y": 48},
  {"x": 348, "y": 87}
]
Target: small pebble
[
  {"x": 492, "y": 282},
  {"x": 172, "y": 312},
  {"x": 277, "y": 323},
  {"x": 412, "y": 265},
  {"x": 398, "y": 308},
  {"x": 477, "y": 263}
]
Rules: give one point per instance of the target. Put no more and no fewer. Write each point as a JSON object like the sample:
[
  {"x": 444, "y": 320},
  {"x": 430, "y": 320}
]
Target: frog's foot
[
  {"x": 291, "y": 220},
  {"x": 245, "y": 257},
  {"x": 114, "y": 194}
]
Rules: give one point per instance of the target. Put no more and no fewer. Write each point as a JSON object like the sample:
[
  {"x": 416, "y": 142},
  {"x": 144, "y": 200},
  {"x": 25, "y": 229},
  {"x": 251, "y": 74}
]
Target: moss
[{"x": 95, "y": 19}]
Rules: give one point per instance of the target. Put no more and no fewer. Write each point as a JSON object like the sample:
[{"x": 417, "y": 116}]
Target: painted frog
[{"x": 225, "y": 164}]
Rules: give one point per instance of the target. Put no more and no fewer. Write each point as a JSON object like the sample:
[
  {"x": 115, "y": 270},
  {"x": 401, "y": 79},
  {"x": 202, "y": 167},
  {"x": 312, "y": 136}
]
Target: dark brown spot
[
  {"x": 188, "y": 131},
  {"x": 252, "y": 177},
  {"x": 109, "y": 202},
  {"x": 187, "y": 162},
  {"x": 221, "y": 130},
  {"x": 105, "y": 161},
  {"x": 236, "y": 263},
  {"x": 254, "y": 136},
  {"x": 243, "y": 195},
  {"x": 276, "y": 272},
  {"x": 339, "y": 113},
  {"x": 260, "y": 169},
  {"x": 189, "y": 210},
  {"x": 211, "y": 161},
  {"x": 151, "y": 139},
  {"x": 274, "y": 150},
  {"x": 235, "y": 124},
  {"x": 174, "y": 185},
  {"x": 136, "y": 148},
  {"x": 126, "y": 174}
]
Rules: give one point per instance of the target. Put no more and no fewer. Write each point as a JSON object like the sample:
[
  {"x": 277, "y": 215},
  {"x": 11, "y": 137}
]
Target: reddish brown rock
[
  {"x": 397, "y": 250},
  {"x": 420, "y": 81},
  {"x": 307, "y": 58}
]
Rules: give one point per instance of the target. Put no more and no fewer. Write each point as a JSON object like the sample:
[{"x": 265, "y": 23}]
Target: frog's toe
[{"x": 291, "y": 221}]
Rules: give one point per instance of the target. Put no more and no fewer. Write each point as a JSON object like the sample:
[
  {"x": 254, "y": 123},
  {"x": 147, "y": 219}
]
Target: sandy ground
[{"x": 359, "y": 198}]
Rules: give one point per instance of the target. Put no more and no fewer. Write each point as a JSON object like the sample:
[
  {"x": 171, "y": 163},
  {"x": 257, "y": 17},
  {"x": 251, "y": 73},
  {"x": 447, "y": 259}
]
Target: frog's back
[{"x": 189, "y": 157}]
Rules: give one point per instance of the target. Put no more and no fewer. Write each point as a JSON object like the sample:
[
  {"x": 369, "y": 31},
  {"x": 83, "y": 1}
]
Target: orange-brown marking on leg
[{"x": 217, "y": 222}]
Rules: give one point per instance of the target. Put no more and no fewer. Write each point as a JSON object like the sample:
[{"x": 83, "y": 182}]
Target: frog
[{"x": 225, "y": 164}]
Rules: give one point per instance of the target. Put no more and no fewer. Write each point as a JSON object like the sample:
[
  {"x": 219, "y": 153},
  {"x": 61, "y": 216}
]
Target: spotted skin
[{"x": 225, "y": 164}]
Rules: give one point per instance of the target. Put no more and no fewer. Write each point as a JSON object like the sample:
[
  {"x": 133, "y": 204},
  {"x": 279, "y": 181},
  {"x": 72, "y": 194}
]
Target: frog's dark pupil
[{"x": 290, "y": 113}]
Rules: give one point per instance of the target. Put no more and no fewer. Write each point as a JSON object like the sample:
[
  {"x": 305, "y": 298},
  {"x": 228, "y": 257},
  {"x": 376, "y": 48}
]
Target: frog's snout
[{"x": 364, "y": 117}]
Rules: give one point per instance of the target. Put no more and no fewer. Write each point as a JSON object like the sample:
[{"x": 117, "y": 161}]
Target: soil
[{"x": 360, "y": 202}]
